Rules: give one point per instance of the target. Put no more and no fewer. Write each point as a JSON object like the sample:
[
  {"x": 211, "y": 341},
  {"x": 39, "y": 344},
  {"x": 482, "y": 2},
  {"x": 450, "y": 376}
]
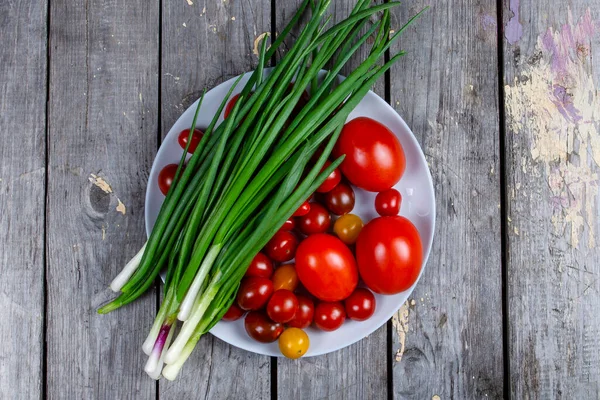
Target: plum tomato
[
  {"x": 360, "y": 305},
  {"x": 285, "y": 277},
  {"x": 254, "y": 292},
  {"x": 165, "y": 178},
  {"x": 389, "y": 254},
  {"x": 230, "y": 105},
  {"x": 293, "y": 343},
  {"x": 340, "y": 200},
  {"x": 347, "y": 228},
  {"x": 282, "y": 306},
  {"x": 374, "y": 157},
  {"x": 233, "y": 314},
  {"x": 260, "y": 266},
  {"x": 331, "y": 181},
  {"x": 304, "y": 315},
  {"x": 260, "y": 328},
  {"x": 288, "y": 225},
  {"x": 387, "y": 203},
  {"x": 326, "y": 267},
  {"x": 185, "y": 135},
  {"x": 282, "y": 246},
  {"x": 329, "y": 316},
  {"x": 302, "y": 210},
  {"x": 317, "y": 220}
]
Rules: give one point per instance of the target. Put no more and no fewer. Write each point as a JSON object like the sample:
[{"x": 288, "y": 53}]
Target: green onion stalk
[{"x": 249, "y": 174}]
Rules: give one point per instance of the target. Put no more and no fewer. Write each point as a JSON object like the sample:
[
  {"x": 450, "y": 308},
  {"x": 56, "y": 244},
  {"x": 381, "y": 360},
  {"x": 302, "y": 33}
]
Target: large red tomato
[
  {"x": 374, "y": 157},
  {"x": 326, "y": 267},
  {"x": 389, "y": 254}
]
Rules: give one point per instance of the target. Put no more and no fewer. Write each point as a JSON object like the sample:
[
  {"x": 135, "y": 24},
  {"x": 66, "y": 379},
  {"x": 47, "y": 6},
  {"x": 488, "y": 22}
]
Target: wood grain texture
[
  {"x": 102, "y": 121},
  {"x": 448, "y": 337},
  {"x": 358, "y": 371},
  {"x": 204, "y": 44},
  {"x": 552, "y": 103},
  {"x": 22, "y": 184}
]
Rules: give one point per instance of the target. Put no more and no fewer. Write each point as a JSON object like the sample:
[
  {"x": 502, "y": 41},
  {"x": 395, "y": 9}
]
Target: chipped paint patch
[
  {"x": 488, "y": 22},
  {"x": 513, "y": 29},
  {"x": 190, "y": 2},
  {"x": 257, "y": 41},
  {"x": 436, "y": 397},
  {"x": 121, "y": 207},
  {"x": 103, "y": 232},
  {"x": 101, "y": 183},
  {"x": 400, "y": 324}
]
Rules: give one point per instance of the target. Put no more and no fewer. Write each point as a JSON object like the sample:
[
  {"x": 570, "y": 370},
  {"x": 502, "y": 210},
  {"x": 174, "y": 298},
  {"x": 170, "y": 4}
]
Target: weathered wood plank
[
  {"x": 448, "y": 337},
  {"x": 22, "y": 184},
  {"x": 204, "y": 44},
  {"x": 552, "y": 107},
  {"x": 102, "y": 121},
  {"x": 360, "y": 370}
]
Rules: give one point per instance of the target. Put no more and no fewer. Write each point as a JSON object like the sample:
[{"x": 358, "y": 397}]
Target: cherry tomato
[
  {"x": 389, "y": 254},
  {"x": 347, "y": 227},
  {"x": 261, "y": 266},
  {"x": 331, "y": 181},
  {"x": 317, "y": 220},
  {"x": 340, "y": 200},
  {"x": 233, "y": 314},
  {"x": 326, "y": 267},
  {"x": 185, "y": 135},
  {"x": 302, "y": 210},
  {"x": 288, "y": 225},
  {"x": 282, "y": 246},
  {"x": 285, "y": 277},
  {"x": 293, "y": 343},
  {"x": 329, "y": 316},
  {"x": 360, "y": 305},
  {"x": 230, "y": 105},
  {"x": 374, "y": 157},
  {"x": 254, "y": 293},
  {"x": 282, "y": 306},
  {"x": 165, "y": 178},
  {"x": 260, "y": 328},
  {"x": 304, "y": 315},
  {"x": 388, "y": 202}
]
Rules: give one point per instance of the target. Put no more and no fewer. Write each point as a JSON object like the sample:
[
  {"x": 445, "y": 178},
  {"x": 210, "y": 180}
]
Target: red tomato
[
  {"x": 329, "y": 316},
  {"x": 331, "y": 181},
  {"x": 326, "y": 267},
  {"x": 288, "y": 225},
  {"x": 340, "y": 200},
  {"x": 374, "y": 157},
  {"x": 389, "y": 254},
  {"x": 302, "y": 210},
  {"x": 254, "y": 293},
  {"x": 282, "y": 246},
  {"x": 261, "y": 328},
  {"x": 360, "y": 305},
  {"x": 165, "y": 178},
  {"x": 304, "y": 315},
  {"x": 282, "y": 306},
  {"x": 233, "y": 314},
  {"x": 261, "y": 266},
  {"x": 185, "y": 135},
  {"x": 230, "y": 105},
  {"x": 388, "y": 202},
  {"x": 317, "y": 220}
]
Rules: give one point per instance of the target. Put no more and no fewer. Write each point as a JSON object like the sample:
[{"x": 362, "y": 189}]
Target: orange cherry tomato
[
  {"x": 285, "y": 277},
  {"x": 293, "y": 343},
  {"x": 347, "y": 228}
]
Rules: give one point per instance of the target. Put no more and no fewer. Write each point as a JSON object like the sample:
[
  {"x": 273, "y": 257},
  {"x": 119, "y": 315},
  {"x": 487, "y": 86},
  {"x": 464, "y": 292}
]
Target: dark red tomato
[
  {"x": 329, "y": 316},
  {"x": 230, "y": 105},
  {"x": 332, "y": 180},
  {"x": 304, "y": 315},
  {"x": 317, "y": 220},
  {"x": 288, "y": 225},
  {"x": 389, "y": 254},
  {"x": 340, "y": 200},
  {"x": 360, "y": 305},
  {"x": 282, "y": 246},
  {"x": 261, "y": 266},
  {"x": 302, "y": 210},
  {"x": 254, "y": 293},
  {"x": 185, "y": 135},
  {"x": 233, "y": 314},
  {"x": 387, "y": 203},
  {"x": 282, "y": 306},
  {"x": 165, "y": 178},
  {"x": 326, "y": 267},
  {"x": 374, "y": 157},
  {"x": 260, "y": 328}
]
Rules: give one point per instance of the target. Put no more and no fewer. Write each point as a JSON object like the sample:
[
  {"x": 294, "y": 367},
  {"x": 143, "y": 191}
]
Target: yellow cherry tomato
[
  {"x": 293, "y": 343},
  {"x": 285, "y": 277},
  {"x": 347, "y": 227}
]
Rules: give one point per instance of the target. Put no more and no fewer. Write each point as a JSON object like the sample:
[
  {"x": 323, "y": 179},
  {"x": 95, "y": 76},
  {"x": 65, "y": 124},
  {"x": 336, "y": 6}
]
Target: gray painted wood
[
  {"x": 360, "y": 370},
  {"x": 449, "y": 341},
  {"x": 204, "y": 44},
  {"x": 22, "y": 182},
  {"x": 102, "y": 120},
  {"x": 552, "y": 77}
]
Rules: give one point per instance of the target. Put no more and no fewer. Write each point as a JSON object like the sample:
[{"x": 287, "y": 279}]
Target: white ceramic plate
[{"x": 418, "y": 205}]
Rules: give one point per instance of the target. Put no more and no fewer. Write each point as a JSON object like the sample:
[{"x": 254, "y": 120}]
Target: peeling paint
[
  {"x": 513, "y": 29},
  {"x": 400, "y": 324},
  {"x": 190, "y": 2},
  {"x": 121, "y": 207},
  {"x": 101, "y": 183},
  {"x": 488, "y": 22},
  {"x": 257, "y": 41}
]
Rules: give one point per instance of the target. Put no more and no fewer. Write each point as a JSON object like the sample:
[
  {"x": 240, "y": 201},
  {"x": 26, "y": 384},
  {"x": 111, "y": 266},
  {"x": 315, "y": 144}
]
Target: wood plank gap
[
  {"x": 273, "y": 63},
  {"x": 158, "y": 143}
]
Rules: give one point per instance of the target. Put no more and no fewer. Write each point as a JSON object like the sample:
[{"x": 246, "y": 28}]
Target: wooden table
[{"x": 504, "y": 100}]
